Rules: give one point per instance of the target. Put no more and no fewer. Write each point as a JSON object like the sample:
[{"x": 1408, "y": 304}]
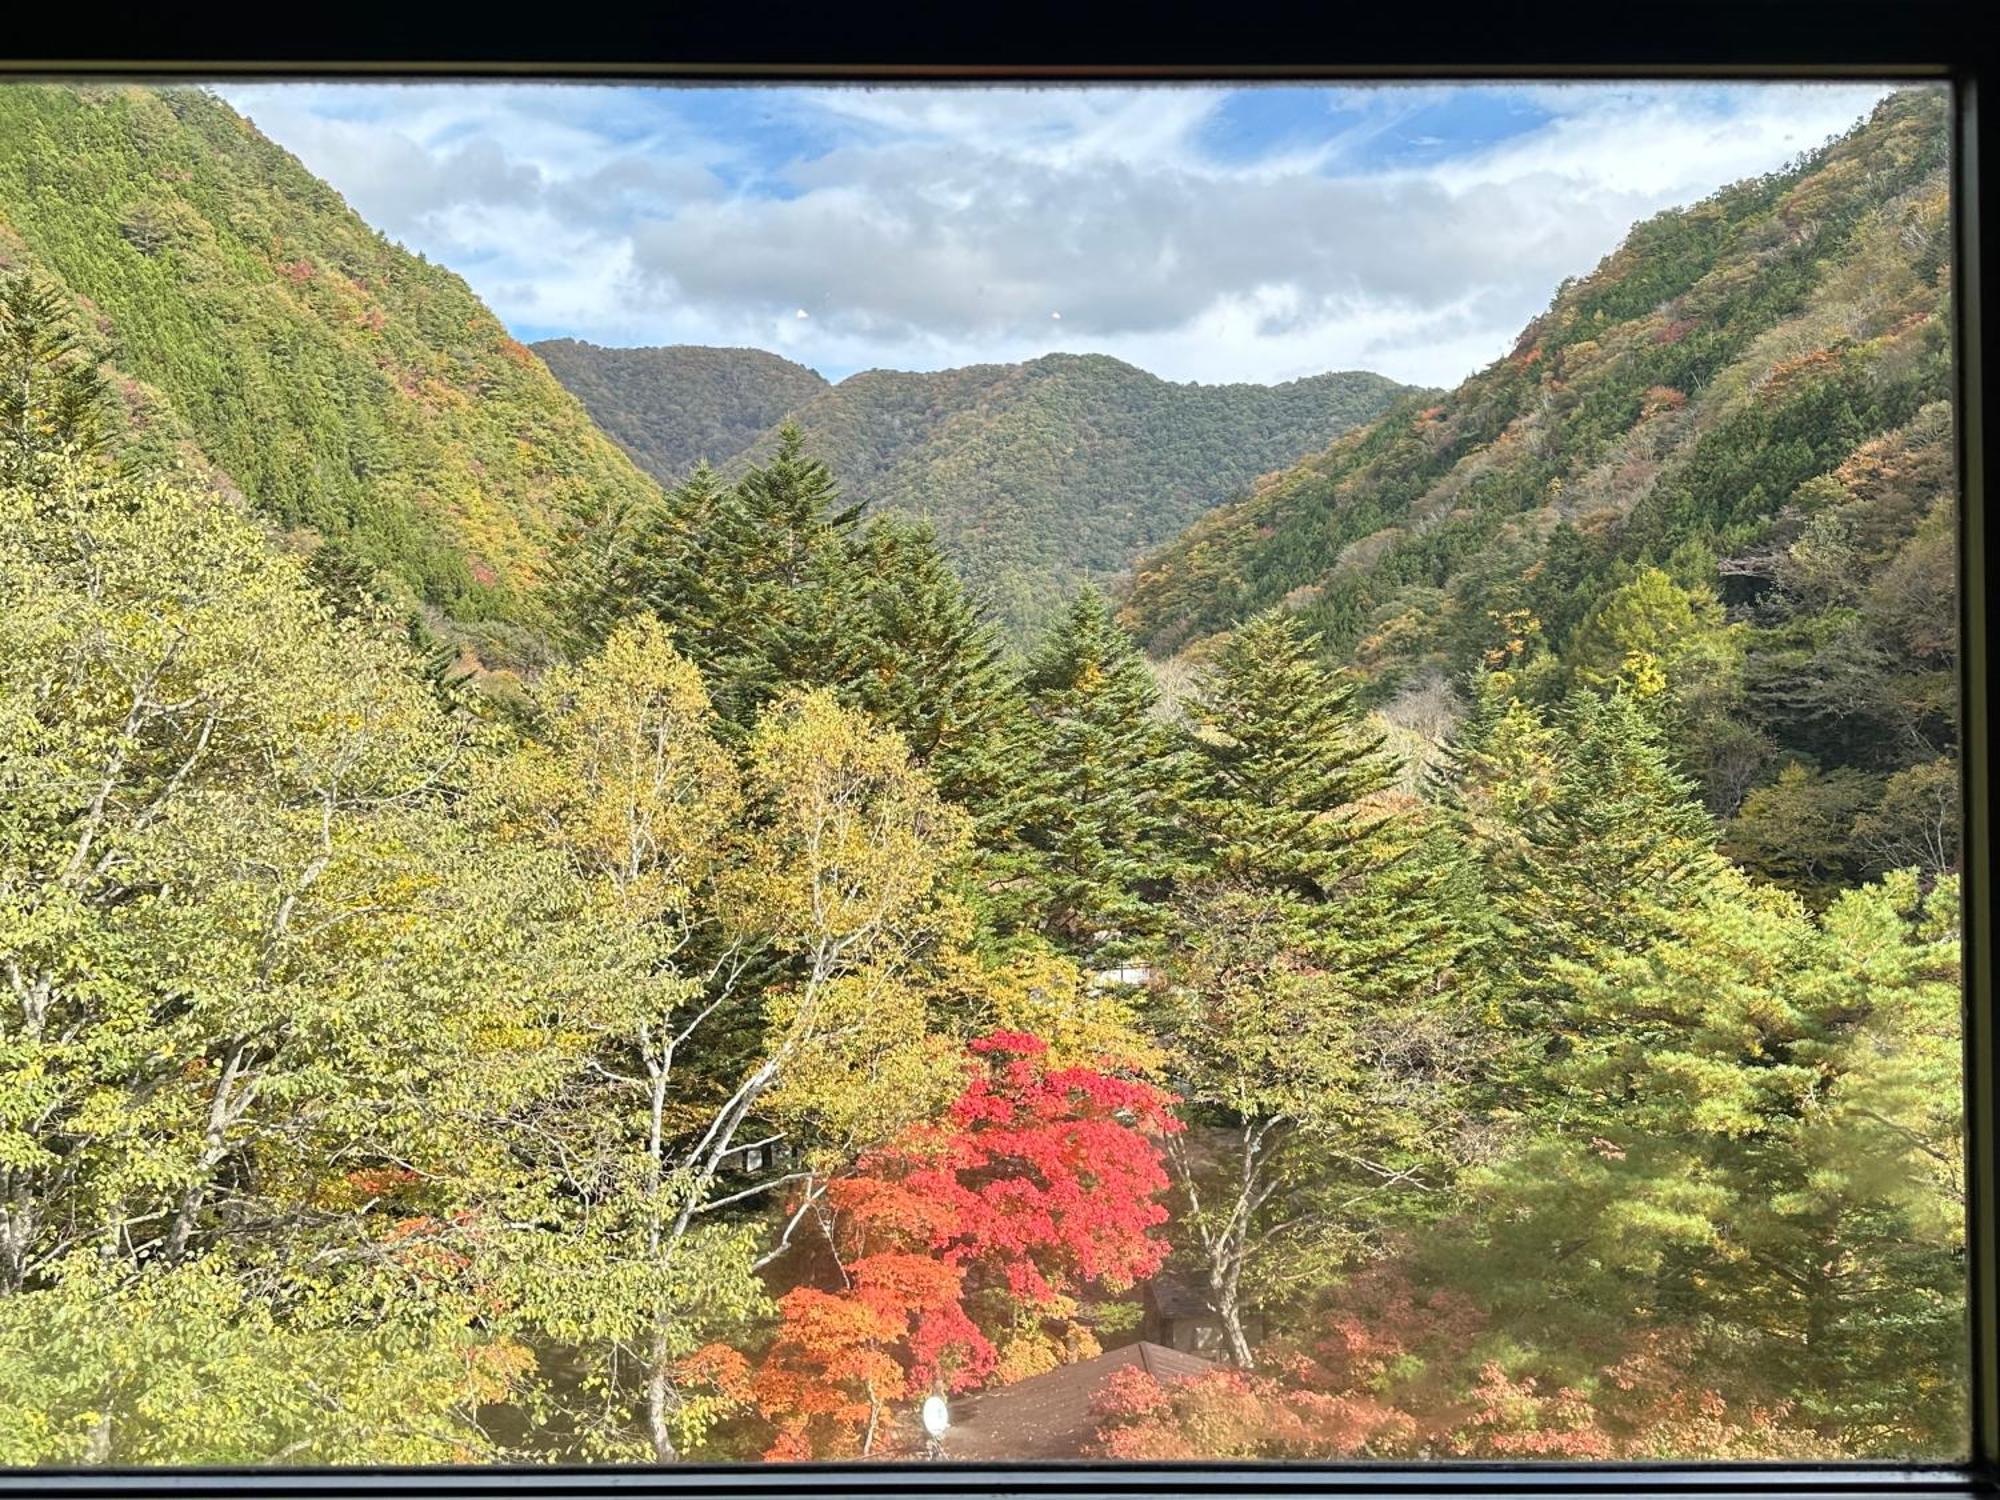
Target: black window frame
[{"x": 1939, "y": 41}]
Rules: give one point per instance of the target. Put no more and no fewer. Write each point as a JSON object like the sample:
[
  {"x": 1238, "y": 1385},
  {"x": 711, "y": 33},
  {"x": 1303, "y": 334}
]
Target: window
[{"x": 1123, "y": 772}]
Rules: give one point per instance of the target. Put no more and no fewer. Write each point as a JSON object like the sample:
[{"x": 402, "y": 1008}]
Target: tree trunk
[
  {"x": 97, "y": 1447},
  {"x": 1223, "y": 1284},
  {"x": 659, "y": 1401}
]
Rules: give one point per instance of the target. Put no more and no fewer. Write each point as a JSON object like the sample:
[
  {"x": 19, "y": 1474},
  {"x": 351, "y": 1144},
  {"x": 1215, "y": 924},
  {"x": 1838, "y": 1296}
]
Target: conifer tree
[
  {"x": 1087, "y": 840},
  {"x": 666, "y": 555},
  {"x": 1285, "y": 759},
  {"x": 774, "y": 573},
  {"x": 1588, "y": 837},
  {"x": 51, "y": 395},
  {"x": 923, "y": 659},
  {"x": 1622, "y": 838},
  {"x": 1311, "y": 1011}
]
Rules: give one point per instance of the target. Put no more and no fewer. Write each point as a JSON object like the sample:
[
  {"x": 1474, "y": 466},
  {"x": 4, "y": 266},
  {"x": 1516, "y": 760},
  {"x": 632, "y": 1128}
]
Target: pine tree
[
  {"x": 1588, "y": 837},
  {"x": 1622, "y": 838},
  {"x": 1285, "y": 759},
  {"x": 1312, "y": 1012},
  {"x": 922, "y": 658},
  {"x": 645, "y": 560},
  {"x": 773, "y": 576},
  {"x": 1087, "y": 839},
  {"x": 51, "y": 394}
]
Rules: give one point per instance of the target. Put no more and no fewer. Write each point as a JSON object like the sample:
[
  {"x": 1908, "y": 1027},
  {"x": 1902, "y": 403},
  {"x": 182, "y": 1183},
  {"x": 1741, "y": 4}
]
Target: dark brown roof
[{"x": 1048, "y": 1415}]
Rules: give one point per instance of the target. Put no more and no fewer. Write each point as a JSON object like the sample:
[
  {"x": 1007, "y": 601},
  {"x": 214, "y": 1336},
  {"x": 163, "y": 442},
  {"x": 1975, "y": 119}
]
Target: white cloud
[{"x": 858, "y": 227}]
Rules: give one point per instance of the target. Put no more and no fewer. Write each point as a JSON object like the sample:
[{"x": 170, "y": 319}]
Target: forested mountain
[
  {"x": 1720, "y": 467},
  {"x": 1036, "y": 476},
  {"x": 256, "y": 325},
  {"x": 673, "y": 407}
]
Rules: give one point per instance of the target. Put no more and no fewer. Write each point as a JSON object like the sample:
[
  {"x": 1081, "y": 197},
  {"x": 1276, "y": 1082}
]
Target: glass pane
[{"x": 977, "y": 773}]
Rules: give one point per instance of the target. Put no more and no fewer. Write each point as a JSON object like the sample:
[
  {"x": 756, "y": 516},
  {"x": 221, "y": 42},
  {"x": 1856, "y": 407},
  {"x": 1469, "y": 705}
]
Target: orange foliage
[
  {"x": 1660, "y": 399},
  {"x": 1035, "y": 1179},
  {"x": 1396, "y": 1374}
]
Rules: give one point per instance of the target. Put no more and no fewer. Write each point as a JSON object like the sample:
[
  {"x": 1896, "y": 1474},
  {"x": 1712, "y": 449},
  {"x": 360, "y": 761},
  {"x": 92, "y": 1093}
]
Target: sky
[{"x": 1256, "y": 233}]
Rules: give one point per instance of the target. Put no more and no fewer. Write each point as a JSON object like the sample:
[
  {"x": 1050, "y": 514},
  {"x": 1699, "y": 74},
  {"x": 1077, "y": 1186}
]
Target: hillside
[
  {"x": 1747, "y": 397},
  {"x": 353, "y": 392},
  {"x": 674, "y": 406},
  {"x": 1036, "y": 476}
]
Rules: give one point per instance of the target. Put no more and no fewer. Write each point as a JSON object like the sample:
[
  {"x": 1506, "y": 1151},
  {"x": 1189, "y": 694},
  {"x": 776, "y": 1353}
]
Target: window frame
[{"x": 1714, "y": 40}]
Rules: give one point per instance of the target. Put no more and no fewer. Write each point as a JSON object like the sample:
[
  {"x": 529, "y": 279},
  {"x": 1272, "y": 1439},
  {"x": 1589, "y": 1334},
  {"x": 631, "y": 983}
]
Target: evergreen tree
[
  {"x": 923, "y": 659},
  {"x": 51, "y": 394},
  {"x": 1588, "y": 837},
  {"x": 1285, "y": 759},
  {"x": 1312, "y": 1014},
  {"x": 771, "y": 576},
  {"x": 1087, "y": 837},
  {"x": 1622, "y": 838}
]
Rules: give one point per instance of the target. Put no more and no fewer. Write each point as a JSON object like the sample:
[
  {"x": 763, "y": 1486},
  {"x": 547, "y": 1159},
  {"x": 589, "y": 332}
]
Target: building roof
[{"x": 1048, "y": 1415}]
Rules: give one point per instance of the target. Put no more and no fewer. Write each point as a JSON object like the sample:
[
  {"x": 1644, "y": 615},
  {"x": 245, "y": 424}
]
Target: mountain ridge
[{"x": 1038, "y": 475}]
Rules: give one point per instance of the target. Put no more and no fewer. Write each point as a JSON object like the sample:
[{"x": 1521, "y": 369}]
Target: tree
[
  {"x": 1755, "y": 1152},
  {"x": 1589, "y": 838},
  {"x": 767, "y": 586},
  {"x": 774, "y": 578},
  {"x": 736, "y": 948},
  {"x": 921, "y": 658},
  {"x": 645, "y": 559},
  {"x": 1660, "y": 638},
  {"x": 51, "y": 395},
  {"x": 1916, "y": 822},
  {"x": 1035, "y": 1181},
  {"x": 1800, "y": 829},
  {"x": 1310, "y": 1005},
  {"x": 1393, "y": 1371},
  {"x": 251, "y": 966},
  {"x": 1285, "y": 762},
  {"x": 196, "y": 1364},
  {"x": 1086, "y": 841}
]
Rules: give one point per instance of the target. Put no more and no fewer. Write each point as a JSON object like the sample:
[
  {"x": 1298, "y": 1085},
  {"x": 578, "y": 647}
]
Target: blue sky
[{"x": 1203, "y": 233}]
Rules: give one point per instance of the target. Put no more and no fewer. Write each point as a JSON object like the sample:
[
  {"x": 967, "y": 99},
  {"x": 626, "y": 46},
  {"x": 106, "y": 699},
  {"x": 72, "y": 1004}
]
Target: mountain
[
  {"x": 1731, "y": 441},
  {"x": 356, "y": 394},
  {"x": 1036, "y": 476},
  {"x": 675, "y": 406}
]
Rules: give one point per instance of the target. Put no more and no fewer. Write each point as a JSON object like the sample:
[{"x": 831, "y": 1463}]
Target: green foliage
[
  {"x": 1313, "y": 1015},
  {"x": 383, "y": 1080},
  {"x": 1085, "y": 838},
  {"x": 188, "y": 1365},
  {"x": 1717, "y": 468},
  {"x": 251, "y": 961},
  {"x": 770, "y": 583},
  {"x": 1036, "y": 477},
  {"x": 51, "y": 393},
  {"x": 675, "y": 407},
  {"x": 349, "y": 388},
  {"x": 1286, "y": 758}
]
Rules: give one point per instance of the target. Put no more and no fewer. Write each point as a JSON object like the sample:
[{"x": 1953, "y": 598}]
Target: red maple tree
[{"x": 1034, "y": 1182}]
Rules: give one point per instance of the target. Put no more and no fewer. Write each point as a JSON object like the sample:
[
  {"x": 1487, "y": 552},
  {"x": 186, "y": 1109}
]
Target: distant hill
[
  {"x": 353, "y": 392},
  {"x": 673, "y": 406},
  {"x": 1734, "y": 435},
  {"x": 1037, "y": 476}
]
